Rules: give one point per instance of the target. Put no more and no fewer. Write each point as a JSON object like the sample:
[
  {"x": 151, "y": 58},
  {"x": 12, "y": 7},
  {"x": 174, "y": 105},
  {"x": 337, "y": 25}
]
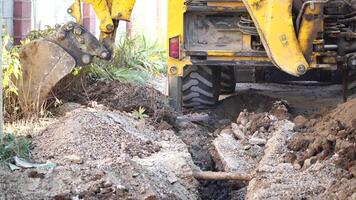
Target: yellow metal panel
[
  {"x": 76, "y": 11},
  {"x": 102, "y": 11},
  {"x": 175, "y": 27},
  {"x": 122, "y": 9},
  {"x": 246, "y": 42},
  {"x": 310, "y": 26},
  {"x": 273, "y": 19}
]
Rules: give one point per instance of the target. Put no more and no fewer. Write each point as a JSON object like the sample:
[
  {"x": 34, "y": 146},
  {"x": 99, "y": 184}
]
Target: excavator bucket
[{"x": 43, "y": 63}]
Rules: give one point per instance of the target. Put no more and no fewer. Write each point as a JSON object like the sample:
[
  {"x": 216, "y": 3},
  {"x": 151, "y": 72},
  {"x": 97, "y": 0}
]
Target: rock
[
  {"x": 247, "y": 147},
  {"x": 74, "y": 159},
  {"x": 35, "y": 174},
  {"x": 94, "y": 189},
  {"x": 296, "y": 166},
  {"x": 229, "y": 155},
  {"x": 300, "y": 122},
  {"x": 106, "y": 190},
  {"x": 164, "y": 126},
  {"x": 280, "y": 109},
  {"x": 308, "y": 162},
  {"x": 298, "y": 143},
  {"x": 62, "y": 110},
  {"x": 107, "y": 184},
  {"x": 257, "y": 141},
  {"x": 172, "y": 179},
  {"x": 289, "y": 157},
  {"x": 242, "y": 118},
  {"x": 237, "y": 132},
  {"x": 226, "y": 131}
]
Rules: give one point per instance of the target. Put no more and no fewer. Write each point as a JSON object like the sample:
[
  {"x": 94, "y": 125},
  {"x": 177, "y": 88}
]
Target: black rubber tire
[
  {"x": 227, "y": 80},
  {"x": 200, "y": 86}
]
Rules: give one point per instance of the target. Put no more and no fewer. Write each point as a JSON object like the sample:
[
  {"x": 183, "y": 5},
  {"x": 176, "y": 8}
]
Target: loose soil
[{"x": 280, "y": 134}]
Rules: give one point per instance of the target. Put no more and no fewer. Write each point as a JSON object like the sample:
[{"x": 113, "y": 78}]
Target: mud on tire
[
  {"x": 200, "y": 86},
  {"x": 227, "y": 80}
]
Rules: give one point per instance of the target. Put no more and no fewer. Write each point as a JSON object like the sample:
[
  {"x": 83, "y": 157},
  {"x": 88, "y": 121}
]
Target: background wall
[
  {"x": 148, "y": 18},
  {"x": 7, "y": 14}
]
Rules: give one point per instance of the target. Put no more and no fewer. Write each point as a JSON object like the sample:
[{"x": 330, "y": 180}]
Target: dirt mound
[
  {"x": 117, "y": 96},
  {"x": 230, "y": 107},
  {"x": 101, "y": 154},
  {"x": 334, "y": 133},
  {"x": 331, "y": 137}
]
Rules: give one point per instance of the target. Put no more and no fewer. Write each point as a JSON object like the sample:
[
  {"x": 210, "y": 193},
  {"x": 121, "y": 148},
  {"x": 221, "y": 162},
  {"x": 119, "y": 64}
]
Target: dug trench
[
  {"x": 102, "y": 152},
  {"x": 197, "y": 129}
]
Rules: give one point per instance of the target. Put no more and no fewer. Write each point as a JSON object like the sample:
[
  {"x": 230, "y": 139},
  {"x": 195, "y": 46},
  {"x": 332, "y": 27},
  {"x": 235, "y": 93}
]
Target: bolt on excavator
[{"x": 212, "y": 45}]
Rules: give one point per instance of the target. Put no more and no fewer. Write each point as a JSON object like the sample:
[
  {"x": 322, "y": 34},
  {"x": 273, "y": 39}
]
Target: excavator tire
[
  {"x": 227, "y": 80},
  {"x": 200, "y": 86}
]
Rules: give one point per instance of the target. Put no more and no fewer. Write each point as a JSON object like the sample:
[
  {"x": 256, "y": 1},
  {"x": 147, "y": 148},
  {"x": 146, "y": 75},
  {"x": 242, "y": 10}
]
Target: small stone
[
  {"x": 94, "y": 189},
  {"x": 97, "y": 176},
  {"x": 237, "y": 132},
  {"x": 106, "y": 190},
  {"x": 135, "y": 174},
  {"x": 289, "y": 157},
  {"x": 74, "y": 159},
  {"x": 296, "y": 166},
  {"x": 226, "y": 131},
  {"x": 247, "y": 147},
  {"x": 107, "y": 184},
  {"x": 298, "y": 143},
  {"x": 309, "y": 162},
  {"x": 35, "y": 174},
  {"x": 172, "y": 179},
  {"x": 242, "y": 119},
  {"x": 150, "y": 197},
  {"x": 300, "y": 122},
  {"x": 164, "y": 126},
  {"x": 257, "y": 141}
]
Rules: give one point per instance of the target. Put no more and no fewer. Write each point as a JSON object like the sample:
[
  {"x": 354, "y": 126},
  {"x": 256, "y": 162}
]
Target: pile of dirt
[
  {"x": 102, "y": 154},
  {"x": 230, "y": 107},
  {"x": 332, "y": 136},
  {"x": 115, "y": 95},
  {"x": 260, "y": 144}
]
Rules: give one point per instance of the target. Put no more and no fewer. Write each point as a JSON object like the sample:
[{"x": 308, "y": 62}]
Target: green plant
[
  {"x": 39, "y": 34},
  {"x": 134, "y": 61},
  {"x": 11, "y": 72},
  {"x": 140, "y": 113},
  {"x": 14, "y": 146}
]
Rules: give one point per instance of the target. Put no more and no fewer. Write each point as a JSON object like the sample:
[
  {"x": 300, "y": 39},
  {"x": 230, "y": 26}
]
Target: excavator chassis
[{"x": 295, "y": 36}]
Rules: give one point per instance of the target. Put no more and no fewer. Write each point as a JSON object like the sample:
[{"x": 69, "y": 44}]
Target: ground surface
[{"x": 298, "y": 142}]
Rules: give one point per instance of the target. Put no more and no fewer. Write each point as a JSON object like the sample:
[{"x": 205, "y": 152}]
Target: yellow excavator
[{"x": 212, "y": 45}]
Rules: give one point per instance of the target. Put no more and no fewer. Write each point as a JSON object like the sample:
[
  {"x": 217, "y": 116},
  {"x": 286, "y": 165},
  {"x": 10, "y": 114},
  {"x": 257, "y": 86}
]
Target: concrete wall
[
  {"x": 149, "y": 18},
  {"x": 22, "y": 19},
  {"x": 50, "y": 12},
  {"x": 7, "y": 15}
]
